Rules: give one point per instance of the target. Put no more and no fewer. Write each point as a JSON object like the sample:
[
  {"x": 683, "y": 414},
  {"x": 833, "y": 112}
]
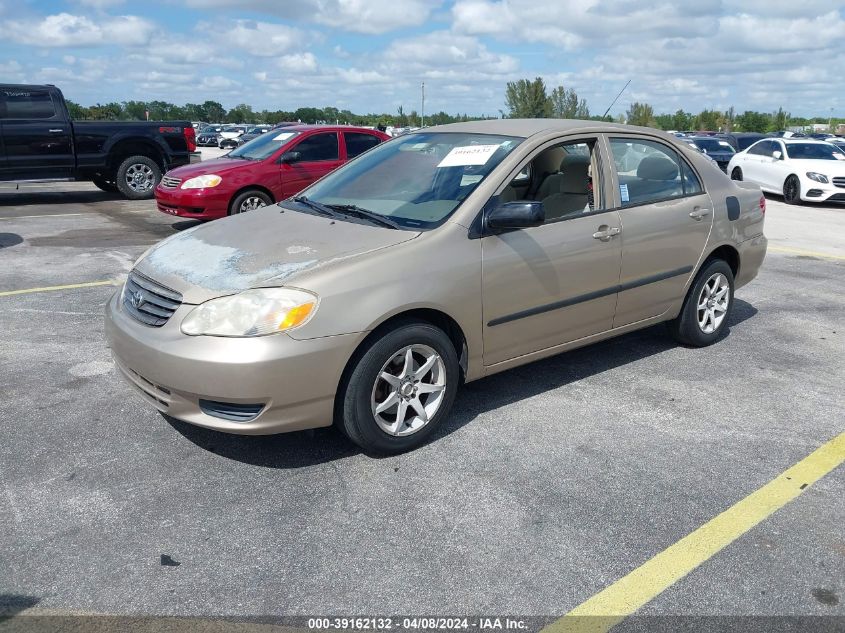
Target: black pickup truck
[{"x": 39, "y": 142}]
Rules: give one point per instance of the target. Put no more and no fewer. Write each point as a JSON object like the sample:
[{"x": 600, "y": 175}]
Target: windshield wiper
[
  {"x": 316, "y": 206},
  {"x": 364, "y": 213}
]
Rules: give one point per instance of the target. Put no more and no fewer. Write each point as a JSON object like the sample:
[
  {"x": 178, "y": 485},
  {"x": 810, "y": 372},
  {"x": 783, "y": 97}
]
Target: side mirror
[
  {"x": 519, "y": 214},
  {"x": 777, "y": 155},
  {"x": 290, "y": 157}
]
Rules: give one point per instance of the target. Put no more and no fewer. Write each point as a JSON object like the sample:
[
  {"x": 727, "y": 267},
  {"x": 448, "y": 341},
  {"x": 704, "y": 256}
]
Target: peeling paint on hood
[{"x": 265, "y": 247}]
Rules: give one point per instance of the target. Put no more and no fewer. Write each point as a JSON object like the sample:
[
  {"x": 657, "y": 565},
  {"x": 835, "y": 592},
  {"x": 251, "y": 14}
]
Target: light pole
[
  {"x": 830, "y": 122},
  {"x": 422, "y": 116}
]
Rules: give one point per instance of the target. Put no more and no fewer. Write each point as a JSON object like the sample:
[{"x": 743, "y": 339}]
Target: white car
[{"x": 799, "y": 169}]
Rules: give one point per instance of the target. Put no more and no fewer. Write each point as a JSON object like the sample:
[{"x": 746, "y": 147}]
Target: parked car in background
[
  {"x": 253, "y": 132},
  {"x": 209, "y": 136},
  {"x": 800, "y": 169},
  {"x": 269, "y": 168},
  {"x": 229, "y": 135},
  {"x": 717, "y": 149},
  {"x": 437, "y": 258},
  {"x": 838, "y": 141},
  {"x": 741, "y": 140},
  {"x": 688, "y": 142},
  {"x": 40, "y": 142}
]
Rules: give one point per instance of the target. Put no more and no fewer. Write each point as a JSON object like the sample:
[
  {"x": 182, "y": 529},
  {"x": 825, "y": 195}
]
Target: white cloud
[
  {"x": 360, "y": 16},
  {"x": 100, "y": 4},
  {"x": 261, "y": 39},
  {"x": 66, "y": 30}
]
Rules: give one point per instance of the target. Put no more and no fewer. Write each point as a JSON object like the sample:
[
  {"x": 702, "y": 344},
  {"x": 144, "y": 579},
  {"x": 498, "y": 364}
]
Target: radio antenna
[{"x": 615, "y": 100}]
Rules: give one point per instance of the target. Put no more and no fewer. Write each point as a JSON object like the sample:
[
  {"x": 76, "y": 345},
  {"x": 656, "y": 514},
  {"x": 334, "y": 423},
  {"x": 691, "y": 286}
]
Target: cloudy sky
[{"x": 371, "y": 55}]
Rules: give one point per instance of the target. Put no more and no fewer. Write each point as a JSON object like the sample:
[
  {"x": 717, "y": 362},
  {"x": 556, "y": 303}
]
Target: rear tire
[
  {"x": 105, "y": 185},
  {"x": 248, "y": 201},
  {"x": 707, "y": 307},
  {"x": 137, "y": 177},
  {"x": 792, "y": 190},
  {"x": 408, "y": 389},
  {"x": 736, "y": 174}
]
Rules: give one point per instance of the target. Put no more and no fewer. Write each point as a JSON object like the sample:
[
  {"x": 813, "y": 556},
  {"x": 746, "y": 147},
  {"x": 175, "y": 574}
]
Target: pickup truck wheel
[
  {"x": 105, "y": 185},
  {"x": 137, "y": 177},
  {"x": 249, "y": 200}
]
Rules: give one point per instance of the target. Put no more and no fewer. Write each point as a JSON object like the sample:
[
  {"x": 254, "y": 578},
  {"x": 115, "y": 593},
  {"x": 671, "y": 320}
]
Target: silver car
[{"x": 442, "y": 256}]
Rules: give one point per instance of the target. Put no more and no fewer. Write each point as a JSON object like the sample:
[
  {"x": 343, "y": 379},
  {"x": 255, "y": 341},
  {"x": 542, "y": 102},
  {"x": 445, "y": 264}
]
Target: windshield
[
  {"x": 814, "y": 151},
  {"x": 417, "y": 180},
  {"x": 714, "y": 145},
  {"x": 263, "y": 146}
]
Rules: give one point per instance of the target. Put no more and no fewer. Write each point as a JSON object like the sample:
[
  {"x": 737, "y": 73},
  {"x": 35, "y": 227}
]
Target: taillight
[
  {"x": 190, "y": 138},
  {"x": 763, "y": 204}
]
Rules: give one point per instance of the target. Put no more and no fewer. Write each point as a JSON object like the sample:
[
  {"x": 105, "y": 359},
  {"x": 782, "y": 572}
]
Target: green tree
[
  {"x": 750, "y": 121},
  {"x": 640, "y": 114},
  {"x": 681, "y": 121},
  {"x": 779, "y": 120},
  {"x": 214, "y": 112},
  {"x": 528, "y": 99},
  {"x": 567, "y": 105},
  {"x": 707, "y": 120}
]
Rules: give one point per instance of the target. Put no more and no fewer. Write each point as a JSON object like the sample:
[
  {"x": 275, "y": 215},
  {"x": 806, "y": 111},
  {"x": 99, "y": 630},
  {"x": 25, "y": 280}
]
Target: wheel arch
[
  {"x": 125, "y": 148},
  {"x": 432, "y": 316},
  {"x": 727, "y": 253}
]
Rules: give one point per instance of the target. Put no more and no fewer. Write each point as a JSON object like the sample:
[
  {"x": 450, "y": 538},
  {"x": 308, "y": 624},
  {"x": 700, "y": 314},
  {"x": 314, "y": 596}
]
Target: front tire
[
  {"x": 137, "y": 177},
  {"x": 249, "y": 201},
  {"x": 400, "y": 389},
  {"x": 736, "y": 174},
  {"x": 707, "y": 307},
  {"x": 792, "y": 190}
]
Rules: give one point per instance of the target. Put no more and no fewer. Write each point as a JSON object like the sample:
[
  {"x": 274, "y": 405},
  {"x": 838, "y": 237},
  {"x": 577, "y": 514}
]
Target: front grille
[
  {"x": 839, "y": 181},
  {"x": 149, "y": 302},
  {"x": 232, "y": 411},
  {"x": 170, "y": 182}
]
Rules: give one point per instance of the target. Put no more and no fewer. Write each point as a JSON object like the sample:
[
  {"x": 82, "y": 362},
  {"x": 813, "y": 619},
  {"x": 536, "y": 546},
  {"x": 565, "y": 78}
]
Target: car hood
[
  {"x": 830, "y": 168},
  {"x": 213, "y": 166},
  {"x": 265, "y": 247}
]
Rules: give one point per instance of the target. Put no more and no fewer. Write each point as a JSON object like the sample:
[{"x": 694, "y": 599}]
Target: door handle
[
  {"x": 606, "y": 233},
  {"x": 55, "y": 131},
  {"x": 697, "y": 214}
]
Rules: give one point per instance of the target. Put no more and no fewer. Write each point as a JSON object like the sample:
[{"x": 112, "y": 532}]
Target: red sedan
[{"x": 269, "y": 168}]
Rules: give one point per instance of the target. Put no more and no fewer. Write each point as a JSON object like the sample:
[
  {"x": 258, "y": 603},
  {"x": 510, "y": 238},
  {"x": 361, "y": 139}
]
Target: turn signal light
[{"x": 763, "y": 204}]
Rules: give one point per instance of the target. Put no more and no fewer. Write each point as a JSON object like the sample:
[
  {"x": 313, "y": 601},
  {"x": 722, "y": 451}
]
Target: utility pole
[{"x": 422, "y": 116}]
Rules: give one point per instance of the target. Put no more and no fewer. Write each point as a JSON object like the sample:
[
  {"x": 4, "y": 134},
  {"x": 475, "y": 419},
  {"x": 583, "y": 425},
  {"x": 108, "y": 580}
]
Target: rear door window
[
  {"x": 649, "y": 171},
  {"x": 27, "y": 104},
  {"x": 317, "y": 147},
  {"x": 358, "y": 143}
]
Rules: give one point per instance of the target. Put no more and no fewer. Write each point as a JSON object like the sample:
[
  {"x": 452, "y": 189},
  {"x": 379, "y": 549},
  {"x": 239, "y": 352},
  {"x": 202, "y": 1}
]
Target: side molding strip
[{"x": 598, "y": 294}]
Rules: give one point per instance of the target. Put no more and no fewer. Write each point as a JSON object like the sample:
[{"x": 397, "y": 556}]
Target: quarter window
[
  {"x": 358, "y": 143},
  {"x": 649, "y": 171},
  {"x": 28, "y": 104},
  {"x": 318, "y": 147},
  {"x": 763, "y": 148}
]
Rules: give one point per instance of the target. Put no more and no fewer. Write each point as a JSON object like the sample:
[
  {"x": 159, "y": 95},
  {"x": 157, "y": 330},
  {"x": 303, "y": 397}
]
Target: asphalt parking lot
[{"x": 549, "y": 483}]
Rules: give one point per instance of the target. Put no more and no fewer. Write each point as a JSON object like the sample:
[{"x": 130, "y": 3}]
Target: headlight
[
  {"x": 202, "y": 182},
  {"x": 252, "y": 313},
  {"x": 817, "y": 177}
]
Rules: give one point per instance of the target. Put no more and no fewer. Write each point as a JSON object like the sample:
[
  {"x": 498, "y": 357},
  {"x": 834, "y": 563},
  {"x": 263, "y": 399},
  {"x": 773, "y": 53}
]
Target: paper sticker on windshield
[
  {"x": 283, "y": 136},
  {"x": 839, "y": 156},
  {"x": 468, "y": 155},
  {"x": 623, "y": 191}
]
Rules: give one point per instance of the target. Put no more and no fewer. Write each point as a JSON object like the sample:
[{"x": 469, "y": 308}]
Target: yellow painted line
[
  {"x": 798, "y": 251},
  {"x": 612, "y": 605},
  {"x": 88, "y": 284},
  {"x": 45, "y": 215}
]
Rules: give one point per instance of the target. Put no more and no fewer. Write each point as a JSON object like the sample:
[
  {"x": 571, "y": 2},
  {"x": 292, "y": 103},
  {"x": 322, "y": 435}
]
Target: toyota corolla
[{"x": 440, "y": 257}]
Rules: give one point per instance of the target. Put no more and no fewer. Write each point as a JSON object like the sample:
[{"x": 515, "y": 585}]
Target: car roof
[
  {"x": 303, "y": 127},
  {"x": 530, "y": 127},
  {"x": 803, "y": 140}
]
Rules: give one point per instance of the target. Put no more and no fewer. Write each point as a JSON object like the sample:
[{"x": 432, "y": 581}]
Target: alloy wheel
[
  {"x": 140, "y": 178},
  {"x": 408, "y": 390},
  {"x": 251, "y": 203},
  {"x": 713, "y": 303}
]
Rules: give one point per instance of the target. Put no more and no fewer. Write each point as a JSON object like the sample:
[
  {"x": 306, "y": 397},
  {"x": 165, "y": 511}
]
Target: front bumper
[
  {"x": 202, "y": 204},
  {"x": 294, "y": 380},
  {"x": 812, "y": 191}
]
